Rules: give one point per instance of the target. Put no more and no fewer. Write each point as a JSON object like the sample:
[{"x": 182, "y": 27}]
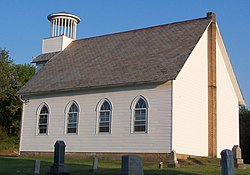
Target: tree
[
  {"x": 245, "y": 134},
  {"x": 5, "y": 73},
  {"x": 12, "y": 78}
]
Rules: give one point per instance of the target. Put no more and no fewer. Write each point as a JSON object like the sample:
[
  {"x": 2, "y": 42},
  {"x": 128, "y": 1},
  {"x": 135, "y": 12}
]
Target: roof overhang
[
  {"x": 230, "y": 68},
  {"x": 93, "y": 88}
]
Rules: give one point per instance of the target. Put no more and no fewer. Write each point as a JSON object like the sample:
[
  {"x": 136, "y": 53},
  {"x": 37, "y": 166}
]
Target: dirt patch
[{"x": 9, "y": 152}]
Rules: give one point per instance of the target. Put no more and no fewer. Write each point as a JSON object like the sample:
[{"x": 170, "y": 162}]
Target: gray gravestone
[
  {"x": 37, "y": 166},
  {"x": 58, "y": 167},
  {"x": 95, "y": 164},
  {"x": 132, "y": 165},
  {"x": 227, "y": 162},
  {"x": 238, "y": 161},
  {"x": 172, "y": 160}
]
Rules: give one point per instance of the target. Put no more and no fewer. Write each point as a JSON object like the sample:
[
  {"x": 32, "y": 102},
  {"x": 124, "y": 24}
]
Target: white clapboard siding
[
  {"x": 157, "y": 140},
  {"x": 227, "y": 105},
  {"x": 190, "y": 96}
]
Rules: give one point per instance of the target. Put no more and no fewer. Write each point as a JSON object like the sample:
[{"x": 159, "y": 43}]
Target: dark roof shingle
[
  {"x": 154, "y": 54},
  {"x": 44, "y": 57}
]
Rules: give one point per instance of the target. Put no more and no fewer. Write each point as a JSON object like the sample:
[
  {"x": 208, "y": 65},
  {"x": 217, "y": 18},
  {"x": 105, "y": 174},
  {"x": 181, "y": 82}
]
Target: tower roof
[{"x": 63, "y": 14}]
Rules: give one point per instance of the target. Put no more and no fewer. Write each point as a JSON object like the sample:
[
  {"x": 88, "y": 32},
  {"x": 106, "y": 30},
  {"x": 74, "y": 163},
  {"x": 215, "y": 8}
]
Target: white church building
[{"x": 145, "y": 91}]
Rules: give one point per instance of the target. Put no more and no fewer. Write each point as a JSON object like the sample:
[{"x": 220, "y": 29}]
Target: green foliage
[
  {"x": 12, "y": 78},
  {"x": 7, "y": 142},
  {"x": 3, "y": 134},
  {"x": 245, "y": 134},
  {"x": 5, "y": 73},
  {"x": 22, "y": 73}
]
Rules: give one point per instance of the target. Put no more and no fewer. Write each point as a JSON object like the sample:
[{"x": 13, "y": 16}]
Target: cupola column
[
  {"x": 75, "y": 29},
  {"x": 63, "y": 24}
]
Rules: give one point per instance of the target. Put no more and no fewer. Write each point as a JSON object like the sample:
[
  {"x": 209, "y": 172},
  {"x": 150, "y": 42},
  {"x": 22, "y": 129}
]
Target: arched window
[
  {"x": 72, "y": 119},
  {"x": 105, "y": 113},
  {"x": 141, "y": 115},
  {"x": 43, "y": 120}
]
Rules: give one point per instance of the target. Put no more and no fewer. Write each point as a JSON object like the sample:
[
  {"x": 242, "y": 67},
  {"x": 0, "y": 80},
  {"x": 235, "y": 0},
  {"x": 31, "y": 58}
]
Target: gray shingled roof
[
  {"x": 149, "y": 55},
  {"x": 44, "y": 57}
]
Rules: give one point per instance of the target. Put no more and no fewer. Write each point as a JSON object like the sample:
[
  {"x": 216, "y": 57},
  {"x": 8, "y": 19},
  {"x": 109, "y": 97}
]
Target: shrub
[{"x": 245, "y": 134}]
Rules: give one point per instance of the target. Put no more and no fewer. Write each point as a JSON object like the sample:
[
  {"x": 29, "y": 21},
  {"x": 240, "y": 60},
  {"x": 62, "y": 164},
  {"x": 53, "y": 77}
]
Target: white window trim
[
  {"x": 98, "y": 107},
  {"x": 132, "y": 118},
  {"x": 66, "y": 111},
  {"x": 38, "y": 117}
]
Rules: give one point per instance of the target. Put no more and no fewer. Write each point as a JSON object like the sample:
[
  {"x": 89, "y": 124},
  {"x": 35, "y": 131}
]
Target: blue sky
[{"x": 24, "y": 24}]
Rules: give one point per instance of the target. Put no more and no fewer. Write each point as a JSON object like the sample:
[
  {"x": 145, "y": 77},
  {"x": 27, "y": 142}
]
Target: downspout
[
  {"x": 172, "y": 123},
  {"x": 21, "y": 124}
]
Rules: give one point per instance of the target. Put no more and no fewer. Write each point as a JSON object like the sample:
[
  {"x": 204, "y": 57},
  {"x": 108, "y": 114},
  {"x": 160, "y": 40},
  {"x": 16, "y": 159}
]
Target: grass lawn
[{"x": 194, "y": 166}]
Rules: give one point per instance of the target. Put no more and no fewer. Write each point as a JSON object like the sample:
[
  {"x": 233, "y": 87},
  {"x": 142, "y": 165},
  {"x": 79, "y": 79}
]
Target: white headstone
[
  {"x": 161, "y": 165},
  {"x": 238, "y": 161},
  {"x": 172, "y": 160}
]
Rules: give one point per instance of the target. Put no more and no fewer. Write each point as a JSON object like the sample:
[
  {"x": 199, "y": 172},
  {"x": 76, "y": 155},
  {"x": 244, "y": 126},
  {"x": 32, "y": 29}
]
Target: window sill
[
  {"x": 103, "y": 133},
  {"x": 72, "y": 134},
  {"x": 42, "y": 134},
  {"x": 139, "y": 132}
]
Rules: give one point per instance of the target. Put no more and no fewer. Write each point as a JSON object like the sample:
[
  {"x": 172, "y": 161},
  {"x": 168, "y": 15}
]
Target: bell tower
[{"x": 63, "y": 23}]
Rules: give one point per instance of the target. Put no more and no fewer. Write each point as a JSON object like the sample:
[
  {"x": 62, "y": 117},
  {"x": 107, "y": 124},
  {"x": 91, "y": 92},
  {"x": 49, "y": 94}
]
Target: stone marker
[
  {"x": 226, "y": 162},
  {"x": 37, "y": 166},
  {"x": 58, "y": 167},
  {"x": 161, "y": 165},
  {"x": 172, "y": 160},
  {"x": 238, "y": 161},
  {"x": 132, "y": 165},
  {"x": 95, "y": 164}
]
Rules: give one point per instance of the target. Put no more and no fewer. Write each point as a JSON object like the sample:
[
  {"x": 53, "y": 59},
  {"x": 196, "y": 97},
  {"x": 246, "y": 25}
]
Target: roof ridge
[{"x": 140, "y": 29}]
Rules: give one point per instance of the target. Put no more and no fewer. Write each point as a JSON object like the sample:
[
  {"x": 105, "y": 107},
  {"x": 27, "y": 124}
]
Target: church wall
[
  {"x": 121, "y": 139},
  {"x": 190, "y": 101},
  {"x": 227, "y": 106}
]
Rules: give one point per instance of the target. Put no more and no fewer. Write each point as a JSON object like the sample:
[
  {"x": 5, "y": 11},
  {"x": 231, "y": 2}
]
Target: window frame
[
  {"x": 133, "y": 118},
  {"x": 98, "y": 111},
  {"x": 68, "y": 106},
  {"x": 40, "y": 107}
]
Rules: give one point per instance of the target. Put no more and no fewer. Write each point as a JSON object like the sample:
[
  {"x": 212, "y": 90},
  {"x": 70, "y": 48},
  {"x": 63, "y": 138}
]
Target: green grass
[{"x": 194, "y": 166}]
